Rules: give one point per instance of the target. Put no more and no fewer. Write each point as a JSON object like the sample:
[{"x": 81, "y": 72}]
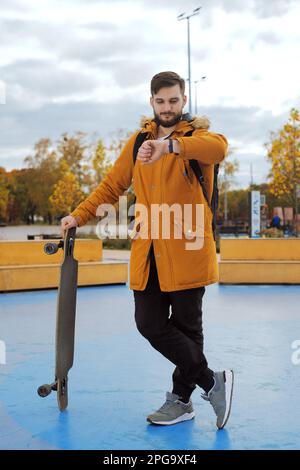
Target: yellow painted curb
[
  {"x": 29, "y": 252},
  {"x": 47, "y": 276}
]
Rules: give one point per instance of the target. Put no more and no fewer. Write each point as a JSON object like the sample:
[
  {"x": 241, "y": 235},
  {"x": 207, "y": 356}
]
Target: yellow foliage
[
  {"x": 67, "y": 195},
  {"x": 4, "y": 195},
  {"x": 100, "y": 163},
  {"x": 283, "y": 151}
]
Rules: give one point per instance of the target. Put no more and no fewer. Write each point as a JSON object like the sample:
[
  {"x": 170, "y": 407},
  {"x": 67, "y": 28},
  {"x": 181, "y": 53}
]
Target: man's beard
[{"x": 170, "y": 122}]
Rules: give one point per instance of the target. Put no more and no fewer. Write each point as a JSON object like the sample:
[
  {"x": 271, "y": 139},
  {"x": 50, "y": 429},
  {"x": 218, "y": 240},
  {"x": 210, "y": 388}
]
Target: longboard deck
[{"x": 65, "y": 319}]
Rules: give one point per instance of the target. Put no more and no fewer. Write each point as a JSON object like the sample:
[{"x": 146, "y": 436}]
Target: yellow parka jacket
[{"x": 187, "y": 258}]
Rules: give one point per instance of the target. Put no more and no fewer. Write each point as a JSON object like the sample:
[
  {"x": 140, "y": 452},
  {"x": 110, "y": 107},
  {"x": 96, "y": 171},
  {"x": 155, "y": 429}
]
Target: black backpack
[{"x": 213, "y": 204}]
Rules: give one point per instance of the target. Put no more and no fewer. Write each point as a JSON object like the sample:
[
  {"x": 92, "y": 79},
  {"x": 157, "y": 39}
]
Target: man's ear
[
  {"x": 184, "y": 100},
  {"x": 151, "y": 101}
]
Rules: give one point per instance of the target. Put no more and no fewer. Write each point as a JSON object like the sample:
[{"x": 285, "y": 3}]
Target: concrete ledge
[
  {"x": 47, "y": 276},
  {"x": 31, "y": 252},
  {"x": 259, "y": 272},
  {"x": 260, "y": 249}
]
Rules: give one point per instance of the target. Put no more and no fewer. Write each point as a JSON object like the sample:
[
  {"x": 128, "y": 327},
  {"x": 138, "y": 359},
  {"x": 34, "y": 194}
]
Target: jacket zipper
[{"x": 165, "y": 242}]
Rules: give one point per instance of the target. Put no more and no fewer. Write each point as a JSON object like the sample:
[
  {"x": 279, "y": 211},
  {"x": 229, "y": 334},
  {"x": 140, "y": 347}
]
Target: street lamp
[{"x": 184, "y": 16}]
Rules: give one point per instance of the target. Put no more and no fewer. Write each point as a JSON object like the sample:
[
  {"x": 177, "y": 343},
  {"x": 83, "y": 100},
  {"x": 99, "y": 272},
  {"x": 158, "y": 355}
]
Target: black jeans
[{"x": 178, "y": 337}]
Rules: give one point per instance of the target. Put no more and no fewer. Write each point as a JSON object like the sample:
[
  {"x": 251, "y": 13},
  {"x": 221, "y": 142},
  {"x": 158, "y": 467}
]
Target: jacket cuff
[
  {"x": 182, "y": 148},
  {"x": 78, "y": 218}
]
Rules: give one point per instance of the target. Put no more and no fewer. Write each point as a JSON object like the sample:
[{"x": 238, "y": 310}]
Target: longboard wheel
[
  {"x": 44, "y": 390},
  {"x": 51, "y": 248}
]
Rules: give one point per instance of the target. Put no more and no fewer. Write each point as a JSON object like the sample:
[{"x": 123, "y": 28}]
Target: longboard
[{"x": 65, "y": 318}]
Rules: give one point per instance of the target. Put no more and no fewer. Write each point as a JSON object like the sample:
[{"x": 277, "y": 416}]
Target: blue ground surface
[{"x": 118, "y": 379}]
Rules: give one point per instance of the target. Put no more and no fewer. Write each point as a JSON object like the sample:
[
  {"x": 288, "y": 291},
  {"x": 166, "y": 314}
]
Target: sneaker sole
[
  {"x": 229, "y": 379},
  {"x": 185, "y": 417}
]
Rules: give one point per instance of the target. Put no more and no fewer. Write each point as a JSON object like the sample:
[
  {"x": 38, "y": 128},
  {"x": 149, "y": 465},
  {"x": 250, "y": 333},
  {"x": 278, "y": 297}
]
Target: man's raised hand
[{"x": 152, "y": 150}]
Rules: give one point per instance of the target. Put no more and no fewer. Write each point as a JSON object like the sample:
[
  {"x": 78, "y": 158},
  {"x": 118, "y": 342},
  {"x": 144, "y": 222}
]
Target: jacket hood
[{"x": 195, "y": 122}]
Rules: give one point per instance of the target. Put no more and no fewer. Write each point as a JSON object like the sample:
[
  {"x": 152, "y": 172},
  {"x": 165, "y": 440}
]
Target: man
[
  {"x": 276, "y": 222},
  {"x": 166, "y": 271}
]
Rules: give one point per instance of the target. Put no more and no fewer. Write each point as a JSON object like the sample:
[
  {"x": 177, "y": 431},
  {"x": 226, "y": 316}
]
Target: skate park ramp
[{"x": 118, "y": 379}]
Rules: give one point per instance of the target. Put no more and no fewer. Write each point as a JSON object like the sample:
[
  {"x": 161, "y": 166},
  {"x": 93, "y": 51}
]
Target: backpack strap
[
  {"x": 140, "y": 138},
  {"x": 215, "y": 199},
  {"x": 194, "y": 164},
  {"x": 213, "y": 203}
]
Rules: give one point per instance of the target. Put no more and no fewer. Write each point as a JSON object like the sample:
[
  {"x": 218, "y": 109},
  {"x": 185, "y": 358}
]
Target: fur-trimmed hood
[{"x": 196, "y": 122}]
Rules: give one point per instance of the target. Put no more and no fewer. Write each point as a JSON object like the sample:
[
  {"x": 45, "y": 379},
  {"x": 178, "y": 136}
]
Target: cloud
[
  {"x": 265, "y": 9},
  {"x": 2, "y": 92},
  {"x": 12, "y": 5},
  {"x": 47, "y": 78},
  {"x": 261, "y": 8},
  {"x": 104, "y": 46},
  {"x": 270, "y": 37},
  {"x": 52, "y": 120},
  {"x": 97, "y": 49},
  {"x": 245, "y": 124},
  {"x": 129, "y": 73},
  {"x": 45, "y": 33},
  {"x": 66, "y": 71}
]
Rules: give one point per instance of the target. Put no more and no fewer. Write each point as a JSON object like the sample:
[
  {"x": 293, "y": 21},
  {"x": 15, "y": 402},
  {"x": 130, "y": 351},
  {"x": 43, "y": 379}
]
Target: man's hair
[{"x": 166, "y": 79}]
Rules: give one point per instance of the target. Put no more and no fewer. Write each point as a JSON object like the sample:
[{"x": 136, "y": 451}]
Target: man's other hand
[{"x": 66, "y": 223}]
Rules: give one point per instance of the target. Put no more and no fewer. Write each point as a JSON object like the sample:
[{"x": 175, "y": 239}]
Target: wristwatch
[{"x": 171, "y": 149}]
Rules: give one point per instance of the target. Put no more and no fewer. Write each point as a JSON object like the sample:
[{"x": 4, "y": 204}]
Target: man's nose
[{"x": 167, "y": 108}]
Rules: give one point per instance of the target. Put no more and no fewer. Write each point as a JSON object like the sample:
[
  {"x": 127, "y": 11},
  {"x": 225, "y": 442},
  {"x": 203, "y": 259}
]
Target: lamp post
[{"x": 184, "y": 16}]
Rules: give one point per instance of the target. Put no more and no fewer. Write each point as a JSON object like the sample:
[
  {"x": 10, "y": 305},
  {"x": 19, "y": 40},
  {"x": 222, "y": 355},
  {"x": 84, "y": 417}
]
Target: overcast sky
[{"x": 70, "y": 65}]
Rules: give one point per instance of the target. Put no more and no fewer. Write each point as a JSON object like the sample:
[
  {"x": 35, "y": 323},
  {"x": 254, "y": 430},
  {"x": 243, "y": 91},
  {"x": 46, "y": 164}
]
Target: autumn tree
[
  {"x": 57, "y": 178},
  {"x": 283, "y": 151},
  {"x": 45, "y": 174},
  {"x": 67, "y": 194},
  {"x": 21, "y": 205},
  {"x": 101, "y": 164},
  {"x": 237, "y": 205},
  {"x": 74, "y": 150},
  {"x": 4, "y": 194}
]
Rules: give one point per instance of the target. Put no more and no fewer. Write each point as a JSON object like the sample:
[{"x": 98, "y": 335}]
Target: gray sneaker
[
  {"x": 220, "y": 396},
  {"x": 172, "y": 411}
]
